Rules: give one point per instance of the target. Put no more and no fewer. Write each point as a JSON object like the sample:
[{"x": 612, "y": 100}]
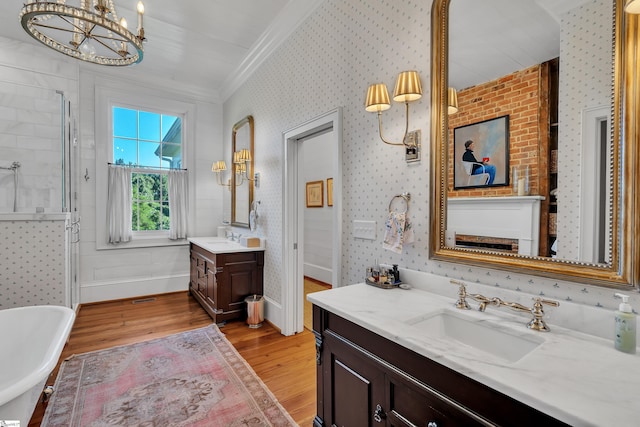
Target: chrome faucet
[{"x": 537, "y": 323}]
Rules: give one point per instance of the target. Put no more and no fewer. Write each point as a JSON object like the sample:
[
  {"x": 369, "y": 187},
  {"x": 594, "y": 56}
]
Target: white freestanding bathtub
[{"x": 31, "y": 340}]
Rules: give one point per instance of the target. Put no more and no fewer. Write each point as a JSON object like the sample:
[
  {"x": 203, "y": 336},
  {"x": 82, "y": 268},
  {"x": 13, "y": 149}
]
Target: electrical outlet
[{"x": 364, "y": 229}]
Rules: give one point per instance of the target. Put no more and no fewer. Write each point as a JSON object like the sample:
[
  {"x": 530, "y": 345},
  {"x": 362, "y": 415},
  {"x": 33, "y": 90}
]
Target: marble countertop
[
  {"x": 220, "y": 245},
  {"x": 575, "y": 377}
]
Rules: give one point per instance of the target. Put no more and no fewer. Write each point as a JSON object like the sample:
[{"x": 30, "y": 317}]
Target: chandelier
[{"x": 89, "y": 30}]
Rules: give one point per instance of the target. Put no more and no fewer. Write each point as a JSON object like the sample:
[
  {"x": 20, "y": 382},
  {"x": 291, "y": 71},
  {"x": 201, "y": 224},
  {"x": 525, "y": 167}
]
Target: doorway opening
[
  {"x": 329, "y": 128},
  {"x": 595, "y": 173}
]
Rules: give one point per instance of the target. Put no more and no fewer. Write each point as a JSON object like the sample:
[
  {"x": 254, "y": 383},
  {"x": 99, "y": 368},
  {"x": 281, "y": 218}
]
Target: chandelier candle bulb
[{"x": 140, "y": 13}]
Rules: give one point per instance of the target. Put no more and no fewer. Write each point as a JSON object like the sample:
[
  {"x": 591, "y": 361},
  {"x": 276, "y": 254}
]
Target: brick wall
[{"x": 515, "y": 95}]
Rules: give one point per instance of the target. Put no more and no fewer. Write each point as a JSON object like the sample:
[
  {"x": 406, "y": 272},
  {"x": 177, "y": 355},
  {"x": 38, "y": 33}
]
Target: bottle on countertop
[{"x": 625, "y": 326}]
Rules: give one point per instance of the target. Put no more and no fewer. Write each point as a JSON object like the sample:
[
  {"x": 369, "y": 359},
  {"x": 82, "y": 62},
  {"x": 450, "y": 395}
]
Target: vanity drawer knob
[{"x": 432, "y": 424}]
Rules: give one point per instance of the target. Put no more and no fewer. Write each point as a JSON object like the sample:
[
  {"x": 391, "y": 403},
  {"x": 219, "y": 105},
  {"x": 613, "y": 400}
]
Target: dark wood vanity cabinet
[
  {"x": 221, "y": 282},
  {"x": 364, "y": 379}
]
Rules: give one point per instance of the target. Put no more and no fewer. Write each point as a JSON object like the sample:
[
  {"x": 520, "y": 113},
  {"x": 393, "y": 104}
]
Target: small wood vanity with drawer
[{"x": 221, "y": 280}]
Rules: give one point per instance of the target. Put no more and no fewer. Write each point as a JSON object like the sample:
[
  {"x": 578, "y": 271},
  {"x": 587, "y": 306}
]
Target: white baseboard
[
  {"x": 273, "y": 312},
  {"x": 323, "y": 274},
  {"x": 106, "y": 291}
]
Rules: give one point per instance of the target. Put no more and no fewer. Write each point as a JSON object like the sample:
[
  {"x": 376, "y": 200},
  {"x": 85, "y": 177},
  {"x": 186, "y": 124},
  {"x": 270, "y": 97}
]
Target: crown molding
[{"x": 287, "y": 21}]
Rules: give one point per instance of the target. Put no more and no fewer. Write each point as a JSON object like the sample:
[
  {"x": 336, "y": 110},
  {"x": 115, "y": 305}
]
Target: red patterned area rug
[{"x": 195, "y": 378}]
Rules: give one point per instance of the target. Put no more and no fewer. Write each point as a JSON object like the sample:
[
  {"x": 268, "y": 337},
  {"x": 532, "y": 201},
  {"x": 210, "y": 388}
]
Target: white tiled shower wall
[
  {"x": 327, "y": 63},
  {"x": 31, "y": 123}
]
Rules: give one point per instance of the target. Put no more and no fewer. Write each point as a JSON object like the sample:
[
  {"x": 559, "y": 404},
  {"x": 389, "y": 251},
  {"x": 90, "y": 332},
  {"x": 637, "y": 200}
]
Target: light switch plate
[{"x": 364, "y": 229}]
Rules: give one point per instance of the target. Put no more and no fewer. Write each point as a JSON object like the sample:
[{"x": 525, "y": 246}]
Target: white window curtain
[
  {"x": 178, "y": 203},
  {"x": 119, "y": 204}
]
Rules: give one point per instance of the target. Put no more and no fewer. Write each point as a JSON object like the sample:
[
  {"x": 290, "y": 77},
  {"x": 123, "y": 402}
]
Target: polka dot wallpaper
[
  {"x": 33, "y": 263},
  {"x": 329, "y": 62},
  {"x": 586, "y": 81}
]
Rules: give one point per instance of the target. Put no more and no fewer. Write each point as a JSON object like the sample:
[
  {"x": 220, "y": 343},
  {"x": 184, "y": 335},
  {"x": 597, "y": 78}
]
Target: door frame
[
  {"x": 590, "y": 179},
  {"x": 293, "y": 221}
]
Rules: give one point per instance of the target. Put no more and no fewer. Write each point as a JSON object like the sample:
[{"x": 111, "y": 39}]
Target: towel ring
[{"x": 404, "y": 196}]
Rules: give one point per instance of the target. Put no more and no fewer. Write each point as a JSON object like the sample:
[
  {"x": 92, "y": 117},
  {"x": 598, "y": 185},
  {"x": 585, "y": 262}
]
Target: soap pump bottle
[{"x": 625, "y": 338}]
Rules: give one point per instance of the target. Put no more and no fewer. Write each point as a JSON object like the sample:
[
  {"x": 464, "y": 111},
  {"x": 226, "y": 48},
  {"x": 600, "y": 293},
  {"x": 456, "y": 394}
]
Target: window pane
[
  {"x": 149, "y": 154},
  {"x": 125, "y": 122},
  {"x": 125, "y": 152},
  {"x": 147, "y": 187},
  {"x": 148, "y": 216},
  {"x": 171, "y": 129},
  {"x": 165, "y": 216},
  {"x": 134, "y": 216},
  {"x": 165, "y": 186},
  {"x": 149, "y": 126},
  {"x": 135, "y": 194}
]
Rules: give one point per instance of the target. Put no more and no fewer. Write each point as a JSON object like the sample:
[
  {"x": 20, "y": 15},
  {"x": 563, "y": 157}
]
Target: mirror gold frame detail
[
  {"x": 234, "y": 132},
  {"x": 623, "y": 269}
]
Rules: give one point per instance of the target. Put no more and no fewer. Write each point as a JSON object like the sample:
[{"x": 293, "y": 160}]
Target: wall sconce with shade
[
  {"x": 218, "y": 167},
  {"x": 240, "y": 160},
  {"x": 452, "y": 101},
  {"x": 632, "y": 6},
  {"x": 408, "y": 88},
  {"x": 87, "y": 30}
]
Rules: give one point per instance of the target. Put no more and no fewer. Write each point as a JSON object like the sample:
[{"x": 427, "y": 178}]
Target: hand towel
[{"x": 398, "y": 232}]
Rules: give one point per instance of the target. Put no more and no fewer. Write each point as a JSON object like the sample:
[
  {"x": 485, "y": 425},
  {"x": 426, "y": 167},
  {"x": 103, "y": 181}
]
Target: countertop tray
[{"x": 385, "y": 285}]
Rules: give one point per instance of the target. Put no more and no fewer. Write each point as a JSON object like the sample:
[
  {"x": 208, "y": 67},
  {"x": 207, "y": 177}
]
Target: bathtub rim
[{"x": 44, "y": 370}]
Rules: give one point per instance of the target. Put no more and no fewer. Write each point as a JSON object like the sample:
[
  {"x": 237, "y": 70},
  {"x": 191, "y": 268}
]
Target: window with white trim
[
  {"x": 151, "y": 135},
  {"x": 150, "y": 143}
]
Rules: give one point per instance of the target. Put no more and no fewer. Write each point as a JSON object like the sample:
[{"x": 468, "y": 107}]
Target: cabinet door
[
  {"x": 411, "y": 403},
  {"x": 241, "y": 276},
  {"x": 355, "y": 387}
]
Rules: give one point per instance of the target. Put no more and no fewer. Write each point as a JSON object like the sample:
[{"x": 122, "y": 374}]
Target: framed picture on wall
[
  {"x": 481, "y": 154},
  {"x": 329, "y": 191},
  {"x": 315, "y": 196}
]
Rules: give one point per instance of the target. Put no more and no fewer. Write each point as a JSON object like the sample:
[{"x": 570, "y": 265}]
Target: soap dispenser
[{"x": 625, "y": 335}]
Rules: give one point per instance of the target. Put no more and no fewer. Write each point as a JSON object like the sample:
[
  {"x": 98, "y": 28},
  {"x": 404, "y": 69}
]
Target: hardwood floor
[
  {"x": 310, "y": 286},
  {"x": 285, "y": 364}
]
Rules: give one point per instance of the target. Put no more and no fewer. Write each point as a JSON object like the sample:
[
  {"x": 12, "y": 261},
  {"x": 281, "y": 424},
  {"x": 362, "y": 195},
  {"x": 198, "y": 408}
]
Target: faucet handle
[
  {"x": 538, "y": 323},
  {"x": 462, "y": 295}
]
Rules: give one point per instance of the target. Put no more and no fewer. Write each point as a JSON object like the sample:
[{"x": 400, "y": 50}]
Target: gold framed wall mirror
[
  {"x": 242, "y": 147},
  {"x": 574, "y": 106}
]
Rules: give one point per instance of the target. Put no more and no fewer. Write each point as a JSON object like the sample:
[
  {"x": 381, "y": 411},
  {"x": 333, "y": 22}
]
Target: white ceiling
[
  {"x": 492, "y": 38},
  {"x": 208, "y": 46},
  {"x": 197, "y": 45}
]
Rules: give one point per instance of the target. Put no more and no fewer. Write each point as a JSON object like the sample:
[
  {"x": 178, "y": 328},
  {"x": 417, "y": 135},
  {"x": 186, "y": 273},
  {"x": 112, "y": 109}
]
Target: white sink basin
[{"x": 480, "y": 334}]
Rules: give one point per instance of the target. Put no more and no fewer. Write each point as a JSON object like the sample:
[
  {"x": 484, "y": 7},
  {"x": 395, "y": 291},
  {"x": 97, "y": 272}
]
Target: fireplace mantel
[{"x": 516, "y": 217}]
